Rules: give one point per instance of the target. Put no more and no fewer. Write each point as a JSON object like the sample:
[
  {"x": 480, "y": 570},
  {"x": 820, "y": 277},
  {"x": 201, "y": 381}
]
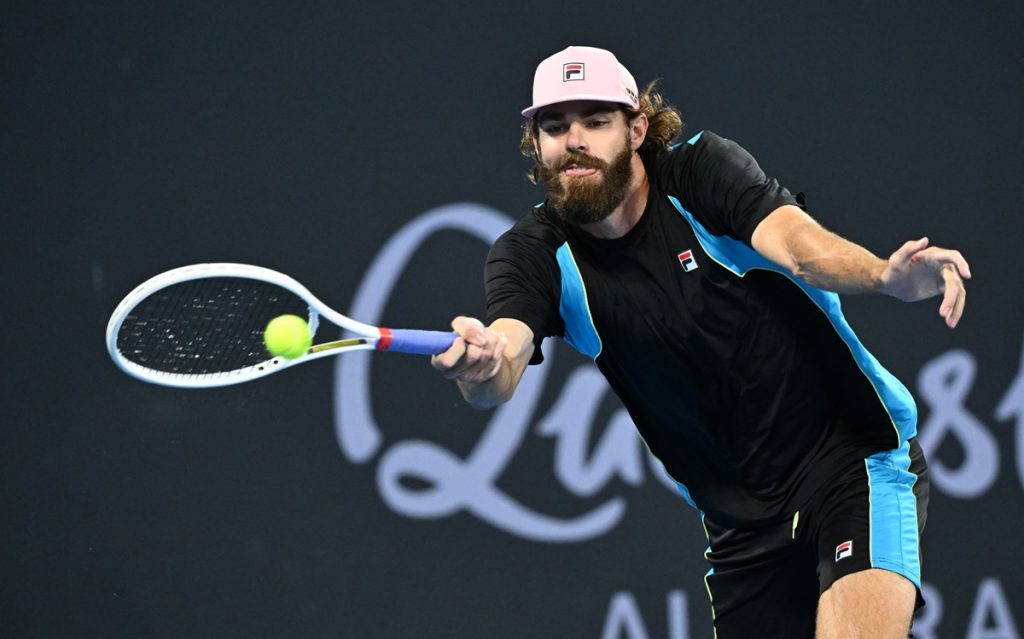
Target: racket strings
[{"x": 205, "y": 326}]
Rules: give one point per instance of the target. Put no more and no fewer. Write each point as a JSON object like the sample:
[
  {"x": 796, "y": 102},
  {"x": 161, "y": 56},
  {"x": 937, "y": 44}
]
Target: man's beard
[{"x": 582, "y": 200}]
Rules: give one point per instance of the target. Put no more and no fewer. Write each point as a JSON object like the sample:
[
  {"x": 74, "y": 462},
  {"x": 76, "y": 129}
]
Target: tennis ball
[{"x": 287, "y": 336}]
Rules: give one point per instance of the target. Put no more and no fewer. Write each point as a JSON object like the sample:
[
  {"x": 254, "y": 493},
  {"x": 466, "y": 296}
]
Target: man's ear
[{"x": 638, "y": 130}]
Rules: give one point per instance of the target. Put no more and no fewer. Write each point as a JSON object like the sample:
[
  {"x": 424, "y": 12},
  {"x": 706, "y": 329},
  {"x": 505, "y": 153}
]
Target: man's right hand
[
  {"x": 476, "y": 355},
  {"x": 486, "y": 362}
]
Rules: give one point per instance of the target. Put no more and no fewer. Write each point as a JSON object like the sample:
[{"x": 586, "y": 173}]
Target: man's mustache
[{"x": 581, "y": 159}]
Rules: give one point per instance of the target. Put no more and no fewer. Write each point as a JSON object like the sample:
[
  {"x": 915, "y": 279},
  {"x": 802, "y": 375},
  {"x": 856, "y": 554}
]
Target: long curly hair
[{"x": 664, "y": 125}]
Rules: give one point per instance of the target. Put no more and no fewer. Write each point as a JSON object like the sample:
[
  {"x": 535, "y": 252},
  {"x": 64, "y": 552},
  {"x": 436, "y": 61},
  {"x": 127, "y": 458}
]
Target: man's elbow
[{"x": 802, "y": 271}]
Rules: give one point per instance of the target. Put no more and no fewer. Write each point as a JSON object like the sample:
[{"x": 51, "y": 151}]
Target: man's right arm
[{"x": 487, "y": 362}]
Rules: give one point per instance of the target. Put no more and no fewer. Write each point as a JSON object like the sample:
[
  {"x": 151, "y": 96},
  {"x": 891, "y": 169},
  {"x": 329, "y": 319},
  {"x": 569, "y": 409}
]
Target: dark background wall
[{"x": 304, "y": 136}]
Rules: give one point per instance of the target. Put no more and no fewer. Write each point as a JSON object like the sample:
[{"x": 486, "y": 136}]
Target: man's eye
[
  {"x": 553, "y": 129},
  {"x": 597, "y": 124}
]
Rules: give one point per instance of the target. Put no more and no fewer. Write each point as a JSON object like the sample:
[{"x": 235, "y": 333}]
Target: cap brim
[{"x": 529, "y": 112}]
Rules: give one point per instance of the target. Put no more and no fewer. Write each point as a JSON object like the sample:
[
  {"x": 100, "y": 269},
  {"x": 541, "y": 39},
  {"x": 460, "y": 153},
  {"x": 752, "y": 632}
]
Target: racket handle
[{"x": 414, "y": 341}]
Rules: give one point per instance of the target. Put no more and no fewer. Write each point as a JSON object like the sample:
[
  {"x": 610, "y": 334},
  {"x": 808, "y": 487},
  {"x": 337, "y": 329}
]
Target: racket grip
[{"x": 414, "y": 341}]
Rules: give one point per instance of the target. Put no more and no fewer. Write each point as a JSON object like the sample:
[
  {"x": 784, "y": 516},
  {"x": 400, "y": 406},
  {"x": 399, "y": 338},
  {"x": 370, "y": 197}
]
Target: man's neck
[{"x": 626, "y": 215}]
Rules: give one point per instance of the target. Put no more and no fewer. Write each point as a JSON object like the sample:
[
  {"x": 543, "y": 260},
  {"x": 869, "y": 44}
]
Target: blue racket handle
[{"x": 415, "y": 342}]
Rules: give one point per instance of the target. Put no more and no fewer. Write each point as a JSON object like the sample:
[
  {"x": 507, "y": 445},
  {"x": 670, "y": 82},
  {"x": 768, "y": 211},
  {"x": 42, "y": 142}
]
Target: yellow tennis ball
[{"x": 287, "y": 336}]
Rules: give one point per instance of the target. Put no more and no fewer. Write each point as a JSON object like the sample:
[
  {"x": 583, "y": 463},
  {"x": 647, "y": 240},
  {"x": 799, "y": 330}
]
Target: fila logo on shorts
[
  {"x": 844, "y": 550},
  {"x": 687, "y": 261},
  {"x": 572, "y": 71}
]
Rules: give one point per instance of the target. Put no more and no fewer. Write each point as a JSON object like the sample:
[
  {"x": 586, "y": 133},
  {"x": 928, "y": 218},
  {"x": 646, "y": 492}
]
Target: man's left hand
[{"x": 916, "y": 272}]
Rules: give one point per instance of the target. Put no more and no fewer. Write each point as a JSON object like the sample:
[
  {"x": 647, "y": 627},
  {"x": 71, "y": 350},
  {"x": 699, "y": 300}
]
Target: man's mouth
[{"x": 578, "y": 170}]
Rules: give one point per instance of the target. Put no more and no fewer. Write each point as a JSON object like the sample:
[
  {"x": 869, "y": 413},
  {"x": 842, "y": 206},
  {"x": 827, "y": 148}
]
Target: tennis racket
[{"x": 202, "y": 326}]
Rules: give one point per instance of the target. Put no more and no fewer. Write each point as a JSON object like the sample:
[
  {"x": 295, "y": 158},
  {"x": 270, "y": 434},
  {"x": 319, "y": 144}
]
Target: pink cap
[{"x": 582, "y": 73}]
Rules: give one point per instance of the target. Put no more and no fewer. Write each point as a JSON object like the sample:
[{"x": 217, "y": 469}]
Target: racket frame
[{"x": 366, "y": 337}]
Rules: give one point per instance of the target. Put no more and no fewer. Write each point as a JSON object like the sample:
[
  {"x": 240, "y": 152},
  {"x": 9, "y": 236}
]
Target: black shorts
[{"x": 766, "y": 581}]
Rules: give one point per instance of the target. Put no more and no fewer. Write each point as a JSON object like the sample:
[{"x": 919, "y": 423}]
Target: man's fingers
[
  {"x": 958, "y": 310},
  {"x": 499, "y": 355},
  {"x": 465, "y": 367},
  {"x": 908, "y": 250},
  {"x": 948, "y": 299},
  {"x": 491, "y": 355},
  {"x": 476, "y": 366},
  {"x": 474, "y": 356},
  {"x": 954, "y": 295},
  {"x": 957, "y": 260},
  {"x": 955, "y": 307},
  {"x": 471, "y": 329},
  {"x": 445, "y": 361},
  {"x": 937, "y": 257}
]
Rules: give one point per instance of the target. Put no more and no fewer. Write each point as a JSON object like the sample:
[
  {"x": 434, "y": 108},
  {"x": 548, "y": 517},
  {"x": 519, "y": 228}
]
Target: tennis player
[{"x": 707, "y": 296}]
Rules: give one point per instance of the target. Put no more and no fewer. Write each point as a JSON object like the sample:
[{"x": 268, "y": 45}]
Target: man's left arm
[{"x": 793, "y": 239}]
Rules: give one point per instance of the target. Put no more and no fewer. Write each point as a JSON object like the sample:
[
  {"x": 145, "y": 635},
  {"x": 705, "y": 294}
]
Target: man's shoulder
[
  {"x": 697, "y": 163},
  {"x": 683, "y": 154}
]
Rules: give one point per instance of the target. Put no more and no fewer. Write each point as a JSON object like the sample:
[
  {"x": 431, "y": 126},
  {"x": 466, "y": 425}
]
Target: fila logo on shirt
[
  {"x": 687, "y": 261},
  {"x": 844, "y": 550},
  {"x": 572, "y": 71}
]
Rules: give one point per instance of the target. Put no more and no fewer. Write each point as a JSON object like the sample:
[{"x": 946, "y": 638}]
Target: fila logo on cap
[
  {"x": 844, "y": 550},
  {"x": 572, "y": 71},
  {"x": 687, "y": 261}
]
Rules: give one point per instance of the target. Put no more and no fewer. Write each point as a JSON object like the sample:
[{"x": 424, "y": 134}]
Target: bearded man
[{"x": 707, "y": 296}]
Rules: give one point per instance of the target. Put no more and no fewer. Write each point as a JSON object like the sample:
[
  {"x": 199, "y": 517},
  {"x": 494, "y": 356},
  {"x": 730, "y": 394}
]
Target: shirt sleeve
[
  {"x": 723, "y": 186},
  {"x": 522, "y": 282}
]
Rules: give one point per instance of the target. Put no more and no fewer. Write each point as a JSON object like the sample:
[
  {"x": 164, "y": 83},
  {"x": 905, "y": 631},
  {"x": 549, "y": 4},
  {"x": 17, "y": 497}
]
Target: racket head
[{"x": 202, "y": 325}]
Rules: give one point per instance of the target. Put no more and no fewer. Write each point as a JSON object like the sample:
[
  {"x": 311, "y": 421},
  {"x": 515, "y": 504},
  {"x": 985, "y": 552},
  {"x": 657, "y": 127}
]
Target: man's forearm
[{"x": 827, "y": 261}]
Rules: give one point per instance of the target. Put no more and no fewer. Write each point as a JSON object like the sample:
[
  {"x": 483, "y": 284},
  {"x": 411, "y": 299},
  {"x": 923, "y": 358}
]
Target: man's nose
[{"x": 576, "y": 140}]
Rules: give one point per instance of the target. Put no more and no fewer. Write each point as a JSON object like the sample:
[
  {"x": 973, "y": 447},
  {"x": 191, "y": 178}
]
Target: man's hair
[{"x": 665, "y": 124}]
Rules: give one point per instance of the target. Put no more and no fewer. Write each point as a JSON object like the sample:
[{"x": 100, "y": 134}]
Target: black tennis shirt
[{"x": 747, "y": 383}]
